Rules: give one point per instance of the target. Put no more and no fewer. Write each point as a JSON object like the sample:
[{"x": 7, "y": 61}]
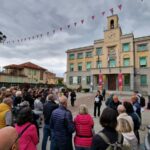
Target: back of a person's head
[
  {"x": 128, "y": 106},
  {"x": 121, "y": 109},
  {"x": 83, "y": 109},
  {"x": 51, "y": 97},
  {"x": 8, "y": 136},
  {"x": 8, "y": 101},
  {"x": 123, "y": 126},
  {"x": 63, "y": 100},
  {"x": 24, "y": 115},
  {"x": 18, "y": 93},
  {"x": 108, "y": 118}
]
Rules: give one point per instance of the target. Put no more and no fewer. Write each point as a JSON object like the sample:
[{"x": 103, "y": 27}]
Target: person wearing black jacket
[
  {"x": 48, "y": 108},
  {"x": 97, "y": 103},
  {"x": 72, "y": 97}
]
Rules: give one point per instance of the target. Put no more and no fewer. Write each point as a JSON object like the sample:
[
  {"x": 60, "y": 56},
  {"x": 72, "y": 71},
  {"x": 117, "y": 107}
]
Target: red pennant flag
[
  {"x": 100, "y": 79},
  {"x": 112, "y": 11},
  {"x": 53, "y": 31},
  {"x": 93, "y": 17},
  {"x": 37, "y": 36},
  {"x": 47, "y": 33},
  {"x": 61, "y": 29},
  {"x": 82, "y": 21},
  {"x": 103, "y": 13},
  {"x": 120, "y": 7},
  {"x": 68, "y": 26},
  {"x": 24, "y": 39},
  {"x": 41, "y": 35},
  {"x": 18, "y": 41},
  {"x": 75, "y": 23}
]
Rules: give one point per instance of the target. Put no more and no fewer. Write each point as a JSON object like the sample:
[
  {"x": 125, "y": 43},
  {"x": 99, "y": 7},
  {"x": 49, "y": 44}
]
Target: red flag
[
  {"x": 53, "y": 31},
  {"x": 47, "y": 33},
  {"x": 93, "y": 17},
  {"x": 103, "y": 13},
  {"x": 82, "y": 21},
  {"x": 41, "y": 35},
  {"x": 120, "y": 79},
  {"x": 61, "y": 29},
  {"x": 120, "y": 6},
  {"x": 68, "y": 26},
  {"x": 100, "y": 79},
  {"x": 112, "y": 11},
  {"x": 75, "y": 23}
]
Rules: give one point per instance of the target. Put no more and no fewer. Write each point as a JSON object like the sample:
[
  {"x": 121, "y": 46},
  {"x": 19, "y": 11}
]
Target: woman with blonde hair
[
  {"x": 83, "y": 127},
  {"x": 125, "y": 128}
]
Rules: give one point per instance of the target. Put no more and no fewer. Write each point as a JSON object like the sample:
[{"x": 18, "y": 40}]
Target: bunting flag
[
  {"x": 93, "y": 17},
  {"x": 82, "y": 21},
  {"x": 112, "y": 11},
  {"x": 54, "y": 30},
  {"x": 75, "y": 23},
  {"x": 103, "y": 13},
  {"x": 120, "y": 7},
  {"x": 100, "y": 79}
]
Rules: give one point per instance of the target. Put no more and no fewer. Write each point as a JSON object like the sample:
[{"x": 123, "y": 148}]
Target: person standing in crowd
[
  {"x": 97, "y": 103},
  {"x": 126, "y": 130},
  {"x": 29, "y": 138},
  {"x": 48, "y": 108},
  {"x": 103, "y": 94},
  {"x": 38, "y": 104},
  {"x": 136, "y": 119},
  {"x": 8, "y": 136},
  {"x": 114, "y": 103},
  {"x": 83, "y": 126},
  {"x": 18, "y": 98},
  {"x": 109, "y": 99},
  {"x": 136, "y": 105},
  {"x": 126, "y": 127},
  {"x": 72, "y": 97},
  {"x": 108, "y": 120},
  {"x": 5, "y": 112},
  {"x": 62, "y": 127}
]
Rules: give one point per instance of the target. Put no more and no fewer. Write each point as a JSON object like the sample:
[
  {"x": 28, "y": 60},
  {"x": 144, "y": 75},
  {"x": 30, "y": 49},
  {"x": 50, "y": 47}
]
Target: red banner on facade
[
  {"x": 100, "y": 79},
  {"x": 120, "y": 79}
]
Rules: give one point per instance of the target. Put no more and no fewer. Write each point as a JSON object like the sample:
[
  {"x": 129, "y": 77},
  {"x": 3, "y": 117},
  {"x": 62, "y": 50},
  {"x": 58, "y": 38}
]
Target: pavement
[{"x": 88, "y": 99}]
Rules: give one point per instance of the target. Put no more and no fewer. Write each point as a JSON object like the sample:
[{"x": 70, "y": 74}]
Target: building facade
[
  {"x": 115, "y": 54},
  {"x": 27, "y": 73}
]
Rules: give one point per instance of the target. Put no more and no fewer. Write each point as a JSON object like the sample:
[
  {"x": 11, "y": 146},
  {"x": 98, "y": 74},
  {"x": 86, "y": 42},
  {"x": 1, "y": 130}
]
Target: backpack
[
  {"x": 114, "y": 146},
  {"x": 142, "y": 101}
]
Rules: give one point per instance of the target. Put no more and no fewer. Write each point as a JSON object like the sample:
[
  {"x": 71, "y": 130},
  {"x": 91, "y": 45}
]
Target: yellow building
[
  {"x": 27, "y": 73},
  {"x": 115, "y": 54}
]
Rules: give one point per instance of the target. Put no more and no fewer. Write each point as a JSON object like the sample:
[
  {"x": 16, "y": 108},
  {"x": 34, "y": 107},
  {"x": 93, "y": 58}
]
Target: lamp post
[{"x": 2, "y": 37}]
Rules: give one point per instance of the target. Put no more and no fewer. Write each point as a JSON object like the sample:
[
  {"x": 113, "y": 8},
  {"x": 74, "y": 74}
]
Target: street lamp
[{"x": 2, "y": 37}]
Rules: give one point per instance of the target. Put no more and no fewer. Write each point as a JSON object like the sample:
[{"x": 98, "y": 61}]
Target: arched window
[{"x": 112, "y": 24}]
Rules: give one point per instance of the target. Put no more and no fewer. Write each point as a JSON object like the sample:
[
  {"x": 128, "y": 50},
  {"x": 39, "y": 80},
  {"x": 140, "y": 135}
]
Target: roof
[{"x": 25, "y": 65}]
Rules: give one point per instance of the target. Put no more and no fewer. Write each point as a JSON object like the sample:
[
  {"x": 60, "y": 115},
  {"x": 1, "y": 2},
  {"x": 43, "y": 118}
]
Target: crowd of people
[{"x": 22, "y": 111}]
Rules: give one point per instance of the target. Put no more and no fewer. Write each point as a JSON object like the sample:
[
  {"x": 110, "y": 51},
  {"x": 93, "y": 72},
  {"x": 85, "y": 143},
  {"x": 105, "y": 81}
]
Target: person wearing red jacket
[{"x": 84, "y": 129}]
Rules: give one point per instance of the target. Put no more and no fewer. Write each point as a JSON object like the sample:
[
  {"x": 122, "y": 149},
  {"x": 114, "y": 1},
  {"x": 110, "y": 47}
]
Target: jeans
[
  {"x": 82, "y": 148},
  {"x": 46, "y": 134},
  {"x": 97, "y": 107}
]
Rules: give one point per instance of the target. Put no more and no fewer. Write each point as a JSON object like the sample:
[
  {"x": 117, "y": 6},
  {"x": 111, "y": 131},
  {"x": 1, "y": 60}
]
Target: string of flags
[{"x": 93, "y": 17}]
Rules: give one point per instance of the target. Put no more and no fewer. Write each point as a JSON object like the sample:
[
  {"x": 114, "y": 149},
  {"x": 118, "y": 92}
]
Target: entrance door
[{"x": 111, "y": 82}]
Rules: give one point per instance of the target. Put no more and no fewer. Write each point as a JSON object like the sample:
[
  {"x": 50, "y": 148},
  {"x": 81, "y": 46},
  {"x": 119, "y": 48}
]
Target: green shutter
[
  {"x": 80, "y": 55},
  {"x": 99, "y": 51},
  {"x": 99, "y": 64},
  {"x": 79, "y": 66},
  {"x": 143, "y": 61},
  {"x": 71, "y": 56},
  {"x": 143, "y": 79},
  {"x": 88, "y": 65},
  {"x": 142, "y": 47},
  {"x": 126, "y": 61},
  {"x": 126, "y": 47}
]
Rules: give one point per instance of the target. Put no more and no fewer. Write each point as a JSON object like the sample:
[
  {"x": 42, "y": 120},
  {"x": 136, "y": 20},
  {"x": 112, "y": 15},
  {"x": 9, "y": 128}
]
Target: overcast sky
[{"x": 22, "y": 19}]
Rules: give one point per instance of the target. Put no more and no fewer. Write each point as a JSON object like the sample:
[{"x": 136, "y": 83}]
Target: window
[
  {"x": 79, "y": 66},
  {"x": 99, "y": 51},
  {"x": 112, "y": 63},
  {"x": 88, "y": 54},
  {"x": 126, "y": 62},
  {"x": 71, "y": 56},
  {"x": 34, "y": 72},
  {"x": 142, "y": 47},
  {"x": 71, "y": 67},
  {"x": 143, "y": 79},
  {"x": 41, "y": 75},
  {"x": 88, "y": 79},
  {"x": 99, "y": 64},
  {"x": 80, "y": 55},
  {"x": 112, "y": 24},
  {"x": 70, "y": 80},
  {"x": 127, "y": 79},
  {"x": 143, "y": 62},
  {"x": 126, "y": 47},
  {"x": 88, "y": 66},
  {"x": 79, "y": 79}
]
